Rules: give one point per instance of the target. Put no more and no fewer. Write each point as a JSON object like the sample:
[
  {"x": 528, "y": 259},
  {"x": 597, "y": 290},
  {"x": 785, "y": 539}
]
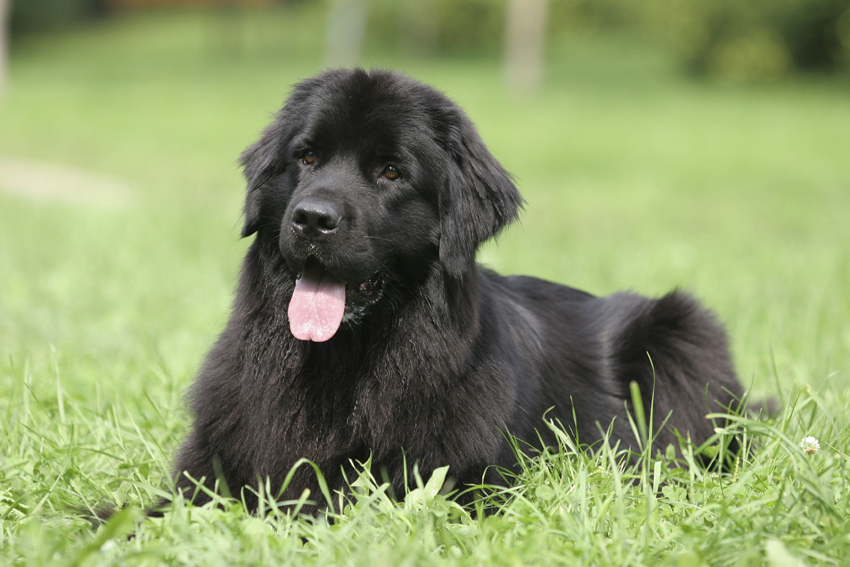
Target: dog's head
[{"x": 363, "y": 174}]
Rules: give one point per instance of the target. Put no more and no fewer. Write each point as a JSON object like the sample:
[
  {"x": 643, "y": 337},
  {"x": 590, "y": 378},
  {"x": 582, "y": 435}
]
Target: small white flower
[{"x": 810, "y": 445}]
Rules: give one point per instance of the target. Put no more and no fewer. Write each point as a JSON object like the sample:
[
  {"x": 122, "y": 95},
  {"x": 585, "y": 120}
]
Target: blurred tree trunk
[
  {"x": 346, "y": 26},
  {"x": 5, "y": 8},
  {"x": 524, "y": 43}
]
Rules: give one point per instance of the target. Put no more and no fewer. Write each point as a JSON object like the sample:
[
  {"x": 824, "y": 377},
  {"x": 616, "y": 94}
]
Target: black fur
[{"x": 449, "y": 355}]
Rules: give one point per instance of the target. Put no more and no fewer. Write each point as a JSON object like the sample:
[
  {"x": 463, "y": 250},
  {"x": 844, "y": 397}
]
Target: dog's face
[{"x": 363, "y": 178}]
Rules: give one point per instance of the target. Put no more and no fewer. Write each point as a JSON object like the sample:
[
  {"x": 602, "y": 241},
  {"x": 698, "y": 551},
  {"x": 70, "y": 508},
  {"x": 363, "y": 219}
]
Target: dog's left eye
[{"x": 391, "y": 172}]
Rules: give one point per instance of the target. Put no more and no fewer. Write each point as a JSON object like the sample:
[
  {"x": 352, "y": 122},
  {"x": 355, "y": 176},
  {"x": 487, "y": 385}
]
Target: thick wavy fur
[{"x": 375, "y": 184}]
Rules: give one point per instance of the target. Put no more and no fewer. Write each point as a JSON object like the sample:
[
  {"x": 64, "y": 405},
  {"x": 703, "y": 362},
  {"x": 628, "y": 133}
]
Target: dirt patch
[{"x": 46, "y": 181}]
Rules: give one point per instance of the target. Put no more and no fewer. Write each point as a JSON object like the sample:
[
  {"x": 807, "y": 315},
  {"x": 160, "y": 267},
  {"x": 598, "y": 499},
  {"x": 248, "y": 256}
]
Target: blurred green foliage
[
  {"x": 468, "y": 27},
  {"x": 741, "y": 40},
  {"x": 732, "y": 39},
  {"x": 40, "y": 15},
  {"x": 748, "y": 40}
]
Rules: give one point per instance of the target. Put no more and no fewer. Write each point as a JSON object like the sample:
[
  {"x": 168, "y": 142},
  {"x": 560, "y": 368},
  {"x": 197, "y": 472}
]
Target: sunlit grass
[{"x": 636, "y": 177}]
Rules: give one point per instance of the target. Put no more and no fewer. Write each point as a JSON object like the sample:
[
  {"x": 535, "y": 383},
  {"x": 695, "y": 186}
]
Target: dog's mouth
[{"x": 322, "y": 301}]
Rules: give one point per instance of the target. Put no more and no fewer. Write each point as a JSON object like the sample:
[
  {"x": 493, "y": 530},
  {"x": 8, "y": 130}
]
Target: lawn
[{"x": 119, "y": 249}]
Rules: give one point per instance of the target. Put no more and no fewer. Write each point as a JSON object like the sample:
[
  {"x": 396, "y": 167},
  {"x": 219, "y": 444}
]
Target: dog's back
[{"x": 587, "y": 350}]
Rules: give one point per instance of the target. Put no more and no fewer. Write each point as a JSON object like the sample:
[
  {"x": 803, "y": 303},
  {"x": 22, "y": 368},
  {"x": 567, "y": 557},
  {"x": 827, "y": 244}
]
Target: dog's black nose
[{"x": 315, "y": 220}]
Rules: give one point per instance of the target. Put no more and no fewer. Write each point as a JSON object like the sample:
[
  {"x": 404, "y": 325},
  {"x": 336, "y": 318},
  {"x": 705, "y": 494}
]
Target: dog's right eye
[
  {"x": 309, "y": 158},
  {"x": 391, "y": 172}
]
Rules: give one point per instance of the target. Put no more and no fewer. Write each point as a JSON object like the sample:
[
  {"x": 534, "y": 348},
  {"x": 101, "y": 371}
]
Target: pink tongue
[{"x": 317, "y": 305}]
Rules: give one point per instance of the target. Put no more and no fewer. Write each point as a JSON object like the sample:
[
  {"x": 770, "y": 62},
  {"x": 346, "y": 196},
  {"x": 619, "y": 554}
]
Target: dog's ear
[
  {"x": 259, "y": 163},
  {"x": 478, "y": 201}
]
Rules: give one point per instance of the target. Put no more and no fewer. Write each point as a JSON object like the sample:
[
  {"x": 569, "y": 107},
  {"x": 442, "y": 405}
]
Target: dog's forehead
[{"x": 382, "y": 113}]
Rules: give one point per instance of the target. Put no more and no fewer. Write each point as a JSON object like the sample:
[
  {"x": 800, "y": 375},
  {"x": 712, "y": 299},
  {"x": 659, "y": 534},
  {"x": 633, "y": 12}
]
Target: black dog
[{"x": 363, "y": 327}]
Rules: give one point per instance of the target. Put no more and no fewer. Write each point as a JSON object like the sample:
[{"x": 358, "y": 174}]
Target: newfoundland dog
[{"x": 363, "y": 328}]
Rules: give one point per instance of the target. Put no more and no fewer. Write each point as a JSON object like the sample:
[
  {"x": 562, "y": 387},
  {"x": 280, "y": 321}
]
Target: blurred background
[
  {"x": 738, "y": 40},
  {"x": 659, "y": 144}
]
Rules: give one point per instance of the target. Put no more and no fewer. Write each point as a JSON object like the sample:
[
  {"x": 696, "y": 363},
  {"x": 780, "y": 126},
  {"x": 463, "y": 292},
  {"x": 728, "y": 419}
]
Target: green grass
[{"x": 635, "y": 176}]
